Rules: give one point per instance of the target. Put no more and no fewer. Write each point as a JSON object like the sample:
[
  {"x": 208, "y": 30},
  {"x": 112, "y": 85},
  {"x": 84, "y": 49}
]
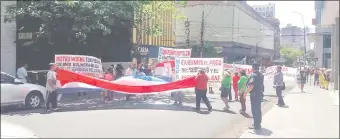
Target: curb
[{"x": 241, "y": 124}]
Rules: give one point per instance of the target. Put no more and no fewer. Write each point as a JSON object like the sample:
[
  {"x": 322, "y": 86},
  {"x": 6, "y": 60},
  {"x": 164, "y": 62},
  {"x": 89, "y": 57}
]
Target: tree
[
  {"x": 84, "y": 17},
  {"x": 290, "y": 54}
]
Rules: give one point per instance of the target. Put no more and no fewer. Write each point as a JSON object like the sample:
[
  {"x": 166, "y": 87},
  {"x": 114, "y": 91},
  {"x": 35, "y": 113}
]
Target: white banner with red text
[
  {"x": 237, "y": 68},
  {"x": 171, "y": 53},
  {"x": 81, "y": 64},
  {"x": 188, "y": 67}
]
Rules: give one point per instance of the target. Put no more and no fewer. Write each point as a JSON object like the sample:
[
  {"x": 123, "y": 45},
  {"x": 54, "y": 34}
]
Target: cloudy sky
[{"x": 285, "y": 11}]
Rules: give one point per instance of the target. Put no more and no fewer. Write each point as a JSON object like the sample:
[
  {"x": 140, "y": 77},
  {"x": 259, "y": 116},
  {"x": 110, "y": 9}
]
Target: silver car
[{"x": 15, "y": 92}]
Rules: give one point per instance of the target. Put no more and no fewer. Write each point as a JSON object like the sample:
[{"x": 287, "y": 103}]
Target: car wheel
[{"x": 33, "y": 100}]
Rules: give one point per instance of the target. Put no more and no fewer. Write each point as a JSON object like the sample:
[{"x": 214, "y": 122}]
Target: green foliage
[
  {"x": 290, "y": 54},
  {"x": 87, "y": 16}
]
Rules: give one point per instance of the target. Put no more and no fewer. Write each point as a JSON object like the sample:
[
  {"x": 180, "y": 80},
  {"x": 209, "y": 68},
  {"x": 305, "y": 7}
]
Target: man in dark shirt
[
  {"x": 256, "y": 89},
  {"x": 201, "y": 90}
]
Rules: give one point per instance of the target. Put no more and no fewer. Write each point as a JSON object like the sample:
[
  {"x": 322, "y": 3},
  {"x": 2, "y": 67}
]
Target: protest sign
[
  {"x": 237, "y": 68},
  {"x": 87, "y": 65},
  {"x": 188, "y": 67},
  {"x": 171, "y": 53}
]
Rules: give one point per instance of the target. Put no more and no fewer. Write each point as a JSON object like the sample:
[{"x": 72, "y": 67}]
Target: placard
[
  {"x": 237, "y": 68},
  {"x": 87, "y": 65},
  {"x": 172, "y": 54},
  {"x": 188, "y": 67}
]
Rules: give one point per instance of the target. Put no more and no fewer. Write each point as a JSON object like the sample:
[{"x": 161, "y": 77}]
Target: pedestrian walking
[
  {"x": 242, "y": 87},
  {"x": 236, "y": 78},
  {"x": 22, "y": 73},
  {"x": 201, "y": 90},
  {"x": 279, "y": 86},
  {"x": 51, "y": 87},
  {"x": 301, "y": 80},
  {"x": 256, "y": 89},
  {"x": 316, "y": 77},
  {"x": 226, "y": 90}
]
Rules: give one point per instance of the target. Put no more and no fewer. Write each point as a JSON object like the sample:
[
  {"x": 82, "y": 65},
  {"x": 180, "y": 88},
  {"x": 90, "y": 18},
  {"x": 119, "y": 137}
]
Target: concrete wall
[
  {"x": 8, "y": 46},
  {"x": 225, "y": 22}
]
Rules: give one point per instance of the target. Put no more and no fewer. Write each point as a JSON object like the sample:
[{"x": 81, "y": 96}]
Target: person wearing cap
[
  {"x": 226, "y": 90},
  {"x": 256, "y": 89},
  {"x": 278, "y": 85},
  {"x": 51, "y": 87},
  {"x": 201, "y": 90}
]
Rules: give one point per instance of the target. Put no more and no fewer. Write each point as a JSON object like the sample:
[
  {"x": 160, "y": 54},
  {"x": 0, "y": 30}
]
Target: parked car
[
  {"x": 9, "y": 130},
  {"x": 15, "y": 92}
]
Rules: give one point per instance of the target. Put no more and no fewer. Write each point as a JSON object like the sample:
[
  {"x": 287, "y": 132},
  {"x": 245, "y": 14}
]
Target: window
[
  {"x": 6, "y": 78},
  {"x": 327, "y": 41}
]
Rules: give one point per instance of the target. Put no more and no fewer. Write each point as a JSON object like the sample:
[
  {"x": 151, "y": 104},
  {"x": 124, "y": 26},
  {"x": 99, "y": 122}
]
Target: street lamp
[{"x": 304, "y": 33}]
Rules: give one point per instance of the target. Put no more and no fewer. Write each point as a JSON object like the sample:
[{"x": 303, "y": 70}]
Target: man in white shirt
[
  {"x": 22, "y": 73},
  {"x": 51, "y": 86}
]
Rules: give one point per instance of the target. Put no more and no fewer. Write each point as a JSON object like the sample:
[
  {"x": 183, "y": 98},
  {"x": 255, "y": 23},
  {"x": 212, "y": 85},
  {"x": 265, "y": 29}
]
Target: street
[{"x": 150, "y": 119}]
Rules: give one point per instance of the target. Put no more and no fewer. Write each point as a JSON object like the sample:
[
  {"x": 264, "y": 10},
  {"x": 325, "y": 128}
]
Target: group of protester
[{"x": 240, "y": 82}]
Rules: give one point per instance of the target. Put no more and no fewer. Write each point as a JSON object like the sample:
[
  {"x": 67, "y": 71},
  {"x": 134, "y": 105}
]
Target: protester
[
  {"x": 51, "y": 86},
  {"x": 178, "y": 96},
  {"x": 236, "y": 78},
  {"x": 256, "y": 89},
  {"x": 131, "y": 71},
  {"x": 201, "y": 90},
  {"x": 22, "y": 73},
  {"x": 226, "y": 90},
  {"x": 109, "y": 77},
  {"x": 242, "y": 87},
  {"x": 279, "y": 85}
]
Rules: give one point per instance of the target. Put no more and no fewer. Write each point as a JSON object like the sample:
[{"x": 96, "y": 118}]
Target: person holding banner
[
  {"x": 226, "y": 90},
  {"x": 242, "y": 87},
  {"x": 51, "y": 87},
  {"x": 201, "y": 90}
]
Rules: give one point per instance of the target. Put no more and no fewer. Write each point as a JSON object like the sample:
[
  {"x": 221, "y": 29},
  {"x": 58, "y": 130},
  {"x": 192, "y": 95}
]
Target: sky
[{"x": 285, "y": 12}]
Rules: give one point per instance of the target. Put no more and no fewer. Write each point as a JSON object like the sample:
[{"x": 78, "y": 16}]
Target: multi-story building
[
  {"x": 232, "y": 26},
  {"x": 325, "y": 14},
  {"x": 266, "y": 11},
  {"x": 151, "y": 43},
  {"x": 293, "y": 36},
  {"x": 326, "y": 37},
  {"x": 277, "y": 39}
]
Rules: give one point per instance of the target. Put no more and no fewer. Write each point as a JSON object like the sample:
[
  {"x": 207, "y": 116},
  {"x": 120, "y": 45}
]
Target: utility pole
[
  {"x": 187, "y": 32},
  {"x": 202, "y": 34},
  {"x": 304, "y": 41}
]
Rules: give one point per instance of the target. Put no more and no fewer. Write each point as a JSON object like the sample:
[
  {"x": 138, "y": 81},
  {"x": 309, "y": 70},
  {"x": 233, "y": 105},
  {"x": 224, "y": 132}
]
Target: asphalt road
[{"x": 156, "y": 117}]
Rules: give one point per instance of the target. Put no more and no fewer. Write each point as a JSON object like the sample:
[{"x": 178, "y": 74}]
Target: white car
[
  {"x": 9, "y": 130},
  {"x": 15, "y": 92}
]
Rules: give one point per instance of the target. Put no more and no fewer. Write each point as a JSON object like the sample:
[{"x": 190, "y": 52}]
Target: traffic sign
[{"x": 312, "y": 58}]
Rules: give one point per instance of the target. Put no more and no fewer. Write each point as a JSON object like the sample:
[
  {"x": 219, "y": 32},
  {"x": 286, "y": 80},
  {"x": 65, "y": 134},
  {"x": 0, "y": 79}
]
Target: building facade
[
  {"x": 293, "y": 36},
  {"x": 8, "y": 38},
  {"x": 267, "y": 11},
  {"x": 233, "y": 26},
  {"x": 326, "y": 37}
]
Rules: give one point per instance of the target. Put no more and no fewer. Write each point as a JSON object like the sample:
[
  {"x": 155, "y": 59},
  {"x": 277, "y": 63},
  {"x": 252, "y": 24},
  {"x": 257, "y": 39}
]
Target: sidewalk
[{"x": 310, "y": 115}]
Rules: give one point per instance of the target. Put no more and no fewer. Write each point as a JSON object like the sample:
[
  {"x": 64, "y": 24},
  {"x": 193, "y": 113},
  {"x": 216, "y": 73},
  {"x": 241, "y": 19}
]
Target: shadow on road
[{"x": 157, "y": 102}]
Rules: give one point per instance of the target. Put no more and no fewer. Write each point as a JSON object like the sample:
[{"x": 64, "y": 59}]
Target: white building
[
  {"x": 8, "y": 38},
  {"x": 293, "y": 36},
  {"x": 266, "y": 11},
  {"x": 326, "y": 37},
  {"x": 229, "y": 24}
]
